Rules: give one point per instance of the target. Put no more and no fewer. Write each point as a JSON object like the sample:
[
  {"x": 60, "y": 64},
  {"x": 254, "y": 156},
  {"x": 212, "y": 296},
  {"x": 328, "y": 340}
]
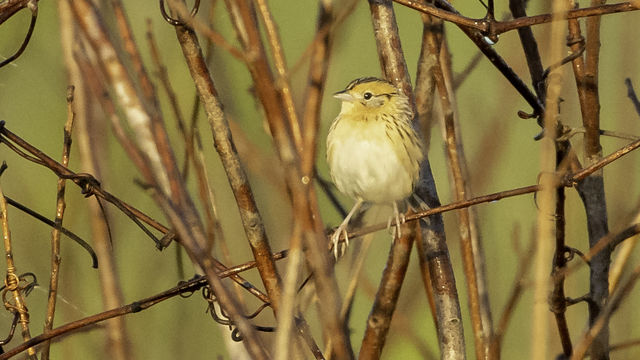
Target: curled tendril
[
  {"x": 30, "y": 284},
  {"x": 12, "y": 283},
  {"x": 176, "y": 22},
  {"x": 236, "y": 335},
  {"x": 570, "y": 253},
  {"x": 223, "y": 319}
]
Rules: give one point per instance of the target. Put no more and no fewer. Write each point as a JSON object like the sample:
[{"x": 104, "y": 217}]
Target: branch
[
  {"x": 15, "y": 302},
  {"x": 567, "y": 180},
  {"x": 432, "y": 246},
  {"x": 134, "y": 307},
  {"x": 386, "y": 300},
  {"x": 55, "y": 233},
  {"x": 84, "y": 180},
  {"x": 251, "y": 218},
  {"x": 493, "y": 28},
  {"x": 472, "y": 257},
  {"x": 305, "y": 210}
]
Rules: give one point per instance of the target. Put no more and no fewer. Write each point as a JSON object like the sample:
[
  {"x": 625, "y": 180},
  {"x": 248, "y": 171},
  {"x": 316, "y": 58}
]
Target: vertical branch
[
  {"x": 251, "y": 218},
  {"x": 591, "y": 120},
  {"x": 299, "y": 185},
  {"x": 425, "y": 98},
  {"x": 139, "y": 114},
  {"x": 386, "y": 299},
  {"x": 457, "y": 166},
  {"x": 283, "y": 344},
  {"x": 530, "y": 47},
  {"x": 17, "y": 304},
  {"x": 591, "y": 189},
  {"x": 311, "y": 119},
  {"x": 163, "y": 75},
  {"x": 546, "y": 227},
  {"x": 91, "y": 143},
  {"x": 557, "y": 299},
  {"x": 55, "y": 233},
  {"x": 425, "y": 85},
  {"x": 318, "y": 67},
  {"x": 392, "y": 62},
  {"x": 433, "y": 244},
  {"x": 161, "y": 169},
  {"x": 131, "y": 47},
  {"x": 282, "y": 83}
]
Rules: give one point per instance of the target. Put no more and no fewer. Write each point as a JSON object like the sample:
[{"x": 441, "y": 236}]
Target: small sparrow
[{"x": 373, "y": 153}]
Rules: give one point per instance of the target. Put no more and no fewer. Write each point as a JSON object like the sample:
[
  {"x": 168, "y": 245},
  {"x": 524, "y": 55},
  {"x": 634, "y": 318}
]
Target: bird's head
[{"x": 370, "y": 95}]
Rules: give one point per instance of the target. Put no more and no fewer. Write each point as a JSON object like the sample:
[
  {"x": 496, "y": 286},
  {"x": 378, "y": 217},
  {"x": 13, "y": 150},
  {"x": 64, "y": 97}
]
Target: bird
[{"x": 373, "y": 152}]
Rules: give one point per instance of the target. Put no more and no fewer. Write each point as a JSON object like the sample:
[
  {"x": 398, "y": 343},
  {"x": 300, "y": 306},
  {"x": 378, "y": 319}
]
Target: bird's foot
[
  {"x": 335, "y": 239},
  {"x": 399, "y": 220}
]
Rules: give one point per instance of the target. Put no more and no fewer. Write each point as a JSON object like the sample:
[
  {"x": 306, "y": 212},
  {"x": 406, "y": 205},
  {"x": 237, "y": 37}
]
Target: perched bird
[{"x": 373, "y": 153}]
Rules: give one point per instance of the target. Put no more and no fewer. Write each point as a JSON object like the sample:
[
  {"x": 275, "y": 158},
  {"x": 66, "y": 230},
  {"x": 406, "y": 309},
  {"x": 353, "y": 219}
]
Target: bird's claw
[
  {"x": 335, "y": 239},
  {"x": 400, "y": 219}
]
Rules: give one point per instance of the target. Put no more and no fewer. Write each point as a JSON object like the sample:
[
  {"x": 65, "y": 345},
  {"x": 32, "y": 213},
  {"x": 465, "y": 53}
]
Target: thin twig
[
  {"x": 530, "y": 48},
  {"x": 51, "y": 223},
  {"x": 163, "y": 75},
  {"x": 213, "y": 36},
  {"x": 140, "y": 113},
  {"x": 251, "y": 218},
  {"x": 303, "y": 201},
  {"x": 557, "y": 302},
  {"x": 425, "y": 86},
  {"x": 55, "y": 232},
  {"x": 318, "y": 69},
  {"x": 622, "y": 257},
  {"x": 81, "y": 179},
  {"x": 16, "y": 303},
  {"x": 88, "y": 184},
  {"x": 282, "y": 81},
  {"x": 547, "y": 197},
  {"x": 464, "y": 74},
  {"x": 632, "y": 95},
  {"x": 479, "y": 39}
]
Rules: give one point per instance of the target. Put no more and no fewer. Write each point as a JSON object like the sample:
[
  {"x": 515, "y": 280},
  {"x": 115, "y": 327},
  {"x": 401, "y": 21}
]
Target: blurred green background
[{"x": 499, "y": 146}]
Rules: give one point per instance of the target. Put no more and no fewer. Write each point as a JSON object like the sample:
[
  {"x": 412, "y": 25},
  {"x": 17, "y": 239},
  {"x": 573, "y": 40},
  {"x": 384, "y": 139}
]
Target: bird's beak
[{"x": 343, "y": 95}]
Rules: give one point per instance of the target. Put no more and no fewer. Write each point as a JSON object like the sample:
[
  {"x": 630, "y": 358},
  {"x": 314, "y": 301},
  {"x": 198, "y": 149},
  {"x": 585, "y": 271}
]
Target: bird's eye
[{"x": 367, "y": 95}]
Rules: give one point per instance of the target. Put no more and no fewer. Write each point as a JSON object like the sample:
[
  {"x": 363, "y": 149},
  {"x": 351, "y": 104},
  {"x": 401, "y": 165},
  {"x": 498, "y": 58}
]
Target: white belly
[{"x": 365, "y": 165}]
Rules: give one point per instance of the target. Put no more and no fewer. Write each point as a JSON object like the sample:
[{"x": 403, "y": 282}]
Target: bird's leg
[
  {"x": 335, "y": 238},
  {"x": 399, "y": 220}
]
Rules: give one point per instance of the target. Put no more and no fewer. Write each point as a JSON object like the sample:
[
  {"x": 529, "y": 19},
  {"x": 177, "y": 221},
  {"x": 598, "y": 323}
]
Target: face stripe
[{"x": 362, "y": 81}]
